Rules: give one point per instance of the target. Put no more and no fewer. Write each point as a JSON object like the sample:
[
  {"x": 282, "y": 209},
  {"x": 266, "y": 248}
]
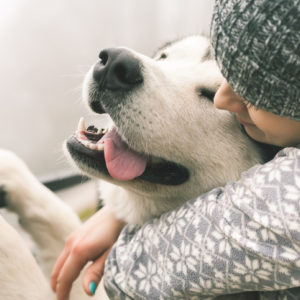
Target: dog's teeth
[
  {"x": 100, "y": 146},
  {"x": 93, "y": 146},
  {"x": 81, "y": 125}
]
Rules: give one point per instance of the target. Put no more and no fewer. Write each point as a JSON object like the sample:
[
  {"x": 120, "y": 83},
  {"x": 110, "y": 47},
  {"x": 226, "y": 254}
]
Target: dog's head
[{"x": 167, "y": 134}]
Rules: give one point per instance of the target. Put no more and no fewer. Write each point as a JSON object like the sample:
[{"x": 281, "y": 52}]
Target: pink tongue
[{"x": 122, "y": 163}]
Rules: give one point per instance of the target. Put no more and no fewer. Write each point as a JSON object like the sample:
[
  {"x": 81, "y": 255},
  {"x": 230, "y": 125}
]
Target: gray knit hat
[{"x": 257, "y": 47}]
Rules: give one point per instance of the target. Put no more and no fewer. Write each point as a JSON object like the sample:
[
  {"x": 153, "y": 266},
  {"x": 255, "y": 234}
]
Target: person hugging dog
[{"x": 238, "y": 238}]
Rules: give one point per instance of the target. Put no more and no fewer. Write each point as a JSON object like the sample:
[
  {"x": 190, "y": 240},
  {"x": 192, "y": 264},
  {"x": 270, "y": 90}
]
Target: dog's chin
[{"x": 157, "y": 171}]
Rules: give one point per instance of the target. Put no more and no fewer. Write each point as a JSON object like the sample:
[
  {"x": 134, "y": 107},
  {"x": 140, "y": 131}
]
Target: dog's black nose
[{"x": 117, "y": 69}]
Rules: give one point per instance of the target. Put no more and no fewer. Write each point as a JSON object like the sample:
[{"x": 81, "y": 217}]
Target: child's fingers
[
  {"x": 93, "y": 274},
  {"x": 67, "y": 275},
  {"x": 57, "y": 267}
]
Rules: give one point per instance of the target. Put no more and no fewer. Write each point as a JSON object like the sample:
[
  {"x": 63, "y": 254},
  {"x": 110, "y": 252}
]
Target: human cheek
[
  {"x": 258, "y": 118},
  {"x": 267, "y": 129}
]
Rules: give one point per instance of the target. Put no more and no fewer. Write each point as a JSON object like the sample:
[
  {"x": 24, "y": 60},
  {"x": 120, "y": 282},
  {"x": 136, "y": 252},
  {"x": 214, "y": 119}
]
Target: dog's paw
[
  {"x": 15, "y": 179},
  {"x": 11, "y": 167}
]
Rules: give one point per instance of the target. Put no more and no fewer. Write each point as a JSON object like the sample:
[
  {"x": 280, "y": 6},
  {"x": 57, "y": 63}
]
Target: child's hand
[{"x": 91, "y": 242}]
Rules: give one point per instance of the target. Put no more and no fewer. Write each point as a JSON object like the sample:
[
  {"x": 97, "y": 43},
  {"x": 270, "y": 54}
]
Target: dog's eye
[
  {"x": 203, "y": 92},
  {"x": 163, "y": 56}
]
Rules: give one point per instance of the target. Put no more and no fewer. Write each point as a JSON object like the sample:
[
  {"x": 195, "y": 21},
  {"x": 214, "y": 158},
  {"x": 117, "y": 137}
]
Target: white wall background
[{"x": 47, "y": 46}]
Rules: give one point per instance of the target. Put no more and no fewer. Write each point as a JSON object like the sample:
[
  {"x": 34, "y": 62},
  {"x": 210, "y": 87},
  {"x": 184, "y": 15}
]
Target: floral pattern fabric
[{"x": 243, "y": 237}]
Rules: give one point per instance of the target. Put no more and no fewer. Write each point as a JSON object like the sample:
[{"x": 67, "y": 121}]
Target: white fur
[
  {"x": 174, "y": 123},
  {"x": 47, "y": 219}
]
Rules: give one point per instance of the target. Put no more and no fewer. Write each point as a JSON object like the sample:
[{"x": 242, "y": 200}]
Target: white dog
[{"x": 168, "y": 144}]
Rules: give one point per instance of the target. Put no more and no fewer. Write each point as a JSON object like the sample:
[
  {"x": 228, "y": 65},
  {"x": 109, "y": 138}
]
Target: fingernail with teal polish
[{"x": 92, "y": 287}]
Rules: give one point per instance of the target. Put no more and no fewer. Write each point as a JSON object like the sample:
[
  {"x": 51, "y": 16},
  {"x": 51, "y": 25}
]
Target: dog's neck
[{"x": 133, "y": 207}]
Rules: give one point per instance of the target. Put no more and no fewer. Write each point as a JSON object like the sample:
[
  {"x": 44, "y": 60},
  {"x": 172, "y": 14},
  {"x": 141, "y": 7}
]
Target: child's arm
[
  {"x": 243, "y": 237},
  {"x": 91, "y": 242}
]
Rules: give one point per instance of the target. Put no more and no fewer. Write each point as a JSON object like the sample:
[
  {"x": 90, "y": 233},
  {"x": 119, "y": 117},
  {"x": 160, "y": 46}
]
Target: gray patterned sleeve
[{"x": 245, "y": 236}]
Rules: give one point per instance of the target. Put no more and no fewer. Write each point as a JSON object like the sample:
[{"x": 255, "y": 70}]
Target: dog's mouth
[{"x": 106, "y": 152}]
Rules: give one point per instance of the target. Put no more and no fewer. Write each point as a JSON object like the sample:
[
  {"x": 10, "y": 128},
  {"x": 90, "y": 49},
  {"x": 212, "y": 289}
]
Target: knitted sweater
[{"x": 241, "y": 237}]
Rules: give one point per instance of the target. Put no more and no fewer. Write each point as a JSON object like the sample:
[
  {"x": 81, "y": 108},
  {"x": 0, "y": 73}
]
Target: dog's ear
[{"x": 208, "y": 54}]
